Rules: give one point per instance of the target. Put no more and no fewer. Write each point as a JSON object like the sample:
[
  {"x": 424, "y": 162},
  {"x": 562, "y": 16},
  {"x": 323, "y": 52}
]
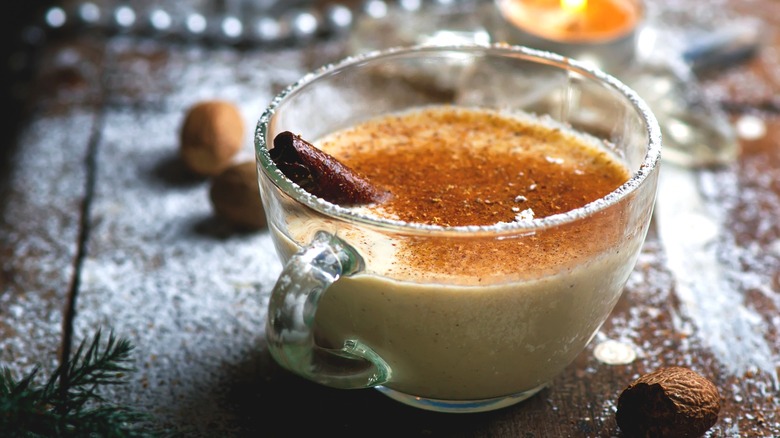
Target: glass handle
[{"x": 305, "y": 277}]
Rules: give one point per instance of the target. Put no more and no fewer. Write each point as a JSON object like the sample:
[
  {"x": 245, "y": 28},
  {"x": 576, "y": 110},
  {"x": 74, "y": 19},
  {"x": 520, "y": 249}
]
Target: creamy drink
[
  {"x": 475, "y": 318},
  {"x": 455, "y": 223}
]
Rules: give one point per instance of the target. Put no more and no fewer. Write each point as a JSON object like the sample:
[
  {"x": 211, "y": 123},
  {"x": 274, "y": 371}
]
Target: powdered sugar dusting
[
  {"x": 161, "y": 275},
  {"x": 614, "y": 352},
  {"x": 709, "y": 285},
  {"x": 40, "y": 216},
  {"x": 161, "y": 270}
]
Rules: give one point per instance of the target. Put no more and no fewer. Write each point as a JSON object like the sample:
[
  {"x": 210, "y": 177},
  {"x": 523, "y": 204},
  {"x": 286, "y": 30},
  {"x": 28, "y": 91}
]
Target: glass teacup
[{"x": 475, "y": 335}]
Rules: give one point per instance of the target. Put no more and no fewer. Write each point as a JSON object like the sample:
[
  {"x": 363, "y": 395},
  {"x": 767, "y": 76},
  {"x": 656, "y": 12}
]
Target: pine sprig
[{"x": 69, "y": 403}]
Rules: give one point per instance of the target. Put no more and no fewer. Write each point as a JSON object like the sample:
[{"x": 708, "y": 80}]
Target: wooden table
[{"x": 101, "y": 227}]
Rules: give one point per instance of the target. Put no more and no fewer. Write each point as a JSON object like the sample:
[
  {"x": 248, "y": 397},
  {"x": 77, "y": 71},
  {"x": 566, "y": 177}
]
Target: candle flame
[{"x": 574, "y": 6}]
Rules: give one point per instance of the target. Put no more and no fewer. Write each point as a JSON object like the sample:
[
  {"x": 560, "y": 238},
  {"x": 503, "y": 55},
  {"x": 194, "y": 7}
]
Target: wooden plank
[
  {"x": 186, "y": 290},
  {"x": 42, "y": 192},
  {"x": 44, "y": 184}
]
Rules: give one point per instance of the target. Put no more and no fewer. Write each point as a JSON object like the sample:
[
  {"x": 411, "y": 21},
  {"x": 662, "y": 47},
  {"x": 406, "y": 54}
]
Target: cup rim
[{"x": 651, "y": 160}]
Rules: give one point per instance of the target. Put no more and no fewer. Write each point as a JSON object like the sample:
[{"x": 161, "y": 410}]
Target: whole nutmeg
[
  {"x": 235, "y": 196},
  {"x": 668, "y": 403},
  {"x": 211, "y": 135}
]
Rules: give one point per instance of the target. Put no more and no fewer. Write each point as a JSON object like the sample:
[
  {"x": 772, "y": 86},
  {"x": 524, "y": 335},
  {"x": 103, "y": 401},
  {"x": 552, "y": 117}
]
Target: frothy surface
[{"x": 454, "y": 166}]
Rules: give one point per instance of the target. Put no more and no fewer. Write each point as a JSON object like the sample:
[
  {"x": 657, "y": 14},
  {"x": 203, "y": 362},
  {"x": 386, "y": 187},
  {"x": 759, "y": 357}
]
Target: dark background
[{"x": 17, "y": 18}]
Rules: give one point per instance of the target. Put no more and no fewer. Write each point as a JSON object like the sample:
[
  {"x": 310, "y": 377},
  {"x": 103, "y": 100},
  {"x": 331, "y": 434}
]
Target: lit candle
[{"x": 601, "y": 32}]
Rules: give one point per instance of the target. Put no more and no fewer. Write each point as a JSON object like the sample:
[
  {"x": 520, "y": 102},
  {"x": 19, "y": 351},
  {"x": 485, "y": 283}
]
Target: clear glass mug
[{"x": 483, "y": 317}]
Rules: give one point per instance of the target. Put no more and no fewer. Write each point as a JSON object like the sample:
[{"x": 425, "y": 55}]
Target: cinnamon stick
[{"x": 321, "y": 174}]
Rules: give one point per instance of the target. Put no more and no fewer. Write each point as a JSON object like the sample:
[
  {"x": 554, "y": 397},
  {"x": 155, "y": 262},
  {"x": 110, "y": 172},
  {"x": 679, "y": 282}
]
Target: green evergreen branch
[{"x": 68, "y": 404}]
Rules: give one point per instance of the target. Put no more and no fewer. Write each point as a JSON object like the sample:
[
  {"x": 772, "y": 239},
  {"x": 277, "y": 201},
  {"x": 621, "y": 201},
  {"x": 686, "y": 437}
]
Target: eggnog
[{"x": 473, "y": 316}]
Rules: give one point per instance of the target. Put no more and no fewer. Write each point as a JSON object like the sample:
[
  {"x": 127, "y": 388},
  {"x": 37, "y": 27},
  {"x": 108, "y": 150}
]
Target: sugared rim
[{"x": 651, "y": 159}]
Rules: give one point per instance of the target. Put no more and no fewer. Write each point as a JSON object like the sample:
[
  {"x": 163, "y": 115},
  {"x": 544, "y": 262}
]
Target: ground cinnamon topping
[
  {"x": 455, "y": 167},
  {"x": 460, "y": 167}
]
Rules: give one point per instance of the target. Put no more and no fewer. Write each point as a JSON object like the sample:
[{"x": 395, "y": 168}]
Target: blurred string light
[
  {"x": 268, "y": 22},
  {"x": 56, "y": 17}
]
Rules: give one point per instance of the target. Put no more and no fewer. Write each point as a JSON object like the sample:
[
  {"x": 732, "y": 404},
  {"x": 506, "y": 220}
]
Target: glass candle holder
[{"x": 598, "y": 32}]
